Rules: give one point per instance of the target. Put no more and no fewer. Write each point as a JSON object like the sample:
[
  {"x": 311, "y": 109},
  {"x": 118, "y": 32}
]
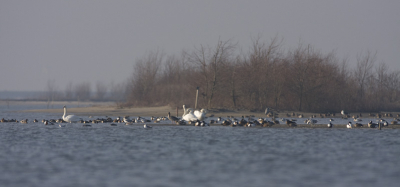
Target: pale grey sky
[{"x": 76, "y": 41}]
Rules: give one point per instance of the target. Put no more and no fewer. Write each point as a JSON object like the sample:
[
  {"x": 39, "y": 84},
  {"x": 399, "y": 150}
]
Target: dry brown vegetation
[{"x": 302, "y": 79}]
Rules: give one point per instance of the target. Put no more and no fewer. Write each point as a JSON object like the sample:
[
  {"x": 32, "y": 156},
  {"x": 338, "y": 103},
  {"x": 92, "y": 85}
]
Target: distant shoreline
[
  {"x": 110, "y": 109},
  {"x": 33, "y": 102}
]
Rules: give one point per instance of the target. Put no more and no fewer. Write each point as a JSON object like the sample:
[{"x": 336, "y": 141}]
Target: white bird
[
  {"x": 330, "y": 125},
  {"x": 349, "y": 125},
  {"x": 188, "y": 115},
  {"x": 200, "y": 114},
  {"x": 186, "y": 110},
  {"x": 69, "y": 118},
  {"x": 147, "y": 126}
]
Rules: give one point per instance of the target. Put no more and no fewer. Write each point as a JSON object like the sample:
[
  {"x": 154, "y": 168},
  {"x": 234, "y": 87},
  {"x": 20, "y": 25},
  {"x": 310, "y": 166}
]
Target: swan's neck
[
  {"x": 184, "y": 110},
  {"x": 65, "y": 112}
]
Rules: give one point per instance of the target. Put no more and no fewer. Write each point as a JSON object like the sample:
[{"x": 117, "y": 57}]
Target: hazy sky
[{"x": 77, "y": 41}]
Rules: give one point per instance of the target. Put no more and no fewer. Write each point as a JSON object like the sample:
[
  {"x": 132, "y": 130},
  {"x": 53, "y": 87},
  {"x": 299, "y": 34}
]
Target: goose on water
[{"x": 172, "y": 118}]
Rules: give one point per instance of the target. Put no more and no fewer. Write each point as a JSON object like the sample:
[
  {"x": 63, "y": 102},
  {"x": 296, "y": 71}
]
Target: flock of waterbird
[
  {"x": 380, "y": 121},
  {"x": 197, "y": 118}
]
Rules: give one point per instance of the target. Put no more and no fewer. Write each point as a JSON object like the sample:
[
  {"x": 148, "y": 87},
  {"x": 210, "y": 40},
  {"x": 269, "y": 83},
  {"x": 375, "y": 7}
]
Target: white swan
[
  {"x": 69, "y": 118},
  {"x": 190, "y": 116},
  {"x": 200, "y": 114},
  {"x": 186, "y": 111}
]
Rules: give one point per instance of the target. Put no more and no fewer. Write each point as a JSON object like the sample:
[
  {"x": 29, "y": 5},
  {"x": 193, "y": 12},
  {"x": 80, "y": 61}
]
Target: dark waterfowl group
[{"x": 198, "y": 117}]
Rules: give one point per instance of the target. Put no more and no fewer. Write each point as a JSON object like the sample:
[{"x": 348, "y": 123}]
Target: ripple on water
[{"x": 38, "y": 155}]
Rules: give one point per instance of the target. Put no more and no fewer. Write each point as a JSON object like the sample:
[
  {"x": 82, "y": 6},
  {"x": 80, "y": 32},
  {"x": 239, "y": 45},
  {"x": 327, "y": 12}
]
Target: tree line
[
  {"x": 299, "y": 79},
  {"x": 83, "y": 92}
]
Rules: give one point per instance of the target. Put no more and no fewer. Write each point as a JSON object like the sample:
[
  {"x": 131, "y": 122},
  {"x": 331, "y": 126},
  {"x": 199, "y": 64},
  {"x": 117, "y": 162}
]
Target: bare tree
[
  {"x": 301, "y": 79},
  {"x": 364, "y": 71},
  {"x": 233, "y": 70},
  {"x": 118, "y": 92},
  {"x": 262, "y": 69},
  {"x": 83, "y": 91},
  {"x": 51, "y": 91},
  {"x": 69, "y": 93},
  {"x": 277, "y": 81},
  {"x": 310, "y": 72},
  {"x": 173, "y": 85},
  {"x": 209, "y": 61},
  {"x": 393, "y": 87},
  {"x": 144, "y": 78},
  {"x": 101, "y": 90}
]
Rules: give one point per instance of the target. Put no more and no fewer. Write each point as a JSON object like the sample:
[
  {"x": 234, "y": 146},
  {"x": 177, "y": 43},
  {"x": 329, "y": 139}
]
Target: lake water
[{"x": 102, "y": 155}]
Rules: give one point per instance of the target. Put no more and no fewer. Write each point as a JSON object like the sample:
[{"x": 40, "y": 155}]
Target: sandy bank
[
  {"x": 104, "y": 110},
  {"x": 111, "y": 110}
]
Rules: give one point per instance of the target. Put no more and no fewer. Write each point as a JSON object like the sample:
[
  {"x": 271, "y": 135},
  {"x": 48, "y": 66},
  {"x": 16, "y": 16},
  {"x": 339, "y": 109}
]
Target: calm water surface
[{"x": 102, "y": 155}]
